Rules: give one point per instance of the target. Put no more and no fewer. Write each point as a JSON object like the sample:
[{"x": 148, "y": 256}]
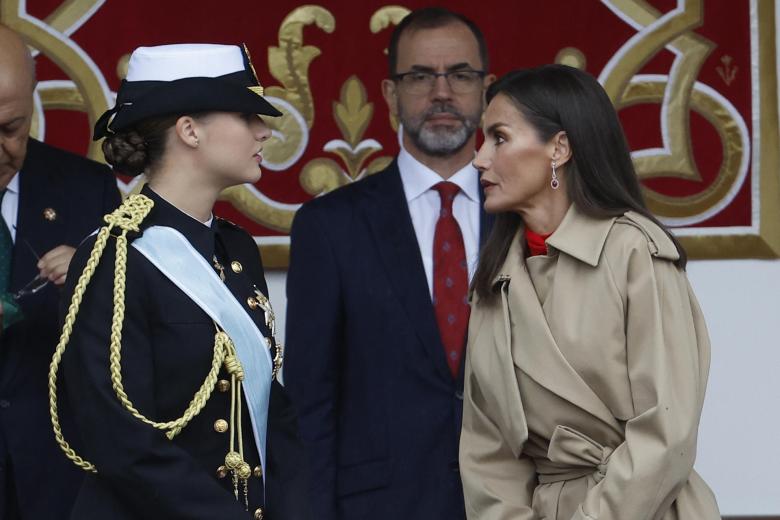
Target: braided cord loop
[{"x": 126, "y": 218}]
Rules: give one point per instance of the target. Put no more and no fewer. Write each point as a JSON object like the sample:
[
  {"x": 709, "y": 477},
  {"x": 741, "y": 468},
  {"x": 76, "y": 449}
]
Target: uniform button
[
  {"x": 223, "y": 385},
  {"x": 220, "y": 426},
  {"x": 222, "y": 472},
  {"x": 259, "y": 513},
  {"x": 258, "y": 471},
  {"x": 459, "y": 395},
  {"x": 252, "y": 302},
  {"x": 50, "y": 214},
  {"x": 236, "y": 266},
  {"x": 4, "y": 403}
]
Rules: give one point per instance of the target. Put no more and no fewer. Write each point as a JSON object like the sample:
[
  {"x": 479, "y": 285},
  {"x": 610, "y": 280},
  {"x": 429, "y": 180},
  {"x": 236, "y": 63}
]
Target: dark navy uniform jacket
[
  {"x": 167, "y": 348},
  {"x": 36, "y": 480}
]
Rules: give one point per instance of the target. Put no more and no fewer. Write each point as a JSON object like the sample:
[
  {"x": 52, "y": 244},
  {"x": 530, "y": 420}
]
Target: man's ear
[
  {"x": 486, "y": 81},
  {"x": 390, "y": 93}
]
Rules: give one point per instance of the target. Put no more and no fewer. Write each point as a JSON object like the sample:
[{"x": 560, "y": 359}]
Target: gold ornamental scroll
[
  {"x": 765, "y": 241},
  {"x": 678, "y": 94},
  {"x": 89, "y": 92},
  {"x": 289, "y": 63}
]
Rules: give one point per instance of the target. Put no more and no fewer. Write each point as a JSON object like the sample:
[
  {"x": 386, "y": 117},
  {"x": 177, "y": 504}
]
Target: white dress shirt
[
  {"x": 424, "y": 206},
  {"x": 10, "y": 207}
]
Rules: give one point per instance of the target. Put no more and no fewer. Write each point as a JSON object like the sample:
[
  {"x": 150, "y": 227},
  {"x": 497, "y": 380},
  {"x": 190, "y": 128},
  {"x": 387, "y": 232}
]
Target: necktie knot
[{"x": 447, "y": 192}]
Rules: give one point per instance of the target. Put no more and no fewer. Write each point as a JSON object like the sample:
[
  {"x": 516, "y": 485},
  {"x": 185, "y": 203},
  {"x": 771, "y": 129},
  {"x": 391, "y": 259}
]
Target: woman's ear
[
  {"x": 561, "y": 149},
  {"x": 187, "y": 131}
]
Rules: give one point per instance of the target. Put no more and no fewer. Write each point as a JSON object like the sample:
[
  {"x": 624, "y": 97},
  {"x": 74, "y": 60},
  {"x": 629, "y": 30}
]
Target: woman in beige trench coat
[{"x": 588, "y": 353}]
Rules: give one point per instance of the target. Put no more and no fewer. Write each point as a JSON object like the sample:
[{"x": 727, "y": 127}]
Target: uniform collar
[
  {"x": 200, "y": 235},
  {"x": 418, "y": 178}
]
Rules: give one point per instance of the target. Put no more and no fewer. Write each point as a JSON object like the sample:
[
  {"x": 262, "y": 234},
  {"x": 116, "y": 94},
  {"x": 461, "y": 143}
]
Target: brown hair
[{"x": 138, "y": 149}]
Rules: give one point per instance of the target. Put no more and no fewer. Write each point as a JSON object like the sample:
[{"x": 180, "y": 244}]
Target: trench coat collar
[
  {"x": 534, "y": 349},
  {"x": 583, "y": 237}
]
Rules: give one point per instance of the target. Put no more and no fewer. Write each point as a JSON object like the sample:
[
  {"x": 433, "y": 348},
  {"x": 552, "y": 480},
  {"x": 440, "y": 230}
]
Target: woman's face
[
  {"x": 515, "y": 164},
  {"x": 231, "y": 145}
]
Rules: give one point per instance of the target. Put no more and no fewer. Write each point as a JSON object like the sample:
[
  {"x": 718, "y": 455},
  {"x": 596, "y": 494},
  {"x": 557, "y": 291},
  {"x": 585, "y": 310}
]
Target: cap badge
[{"x": 256, "y": 89}]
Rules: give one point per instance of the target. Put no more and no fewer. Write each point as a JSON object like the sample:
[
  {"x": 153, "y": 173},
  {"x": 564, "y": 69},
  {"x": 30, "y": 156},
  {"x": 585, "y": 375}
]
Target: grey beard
[{"x": 439, "y": 141}]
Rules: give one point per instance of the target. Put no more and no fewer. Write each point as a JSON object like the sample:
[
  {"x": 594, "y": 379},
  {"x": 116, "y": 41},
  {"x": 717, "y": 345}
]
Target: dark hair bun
[{"x": 126, "y": 152}]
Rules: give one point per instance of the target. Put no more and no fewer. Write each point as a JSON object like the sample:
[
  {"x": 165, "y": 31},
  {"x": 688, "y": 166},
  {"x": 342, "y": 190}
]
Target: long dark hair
[{"x": 600, "y": 177}]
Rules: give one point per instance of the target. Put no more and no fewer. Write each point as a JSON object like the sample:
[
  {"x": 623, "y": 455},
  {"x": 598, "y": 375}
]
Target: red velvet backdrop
[{"x": 707, "y": 42}]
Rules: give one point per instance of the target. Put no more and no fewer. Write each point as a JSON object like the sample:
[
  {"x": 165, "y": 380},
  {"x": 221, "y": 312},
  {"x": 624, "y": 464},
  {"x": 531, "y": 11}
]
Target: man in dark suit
[
  {"x": 377, "y": 293},
  {"x": 51, "y": 200}
]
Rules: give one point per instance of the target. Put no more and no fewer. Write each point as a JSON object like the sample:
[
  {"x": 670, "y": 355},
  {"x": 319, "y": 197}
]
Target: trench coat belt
[{"x": 572, "y": 455}]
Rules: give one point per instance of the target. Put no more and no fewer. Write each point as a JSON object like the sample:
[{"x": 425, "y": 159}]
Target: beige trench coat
[{"x": 585, "y": 381}]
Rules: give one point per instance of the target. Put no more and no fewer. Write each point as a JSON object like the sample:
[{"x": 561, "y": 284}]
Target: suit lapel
[
  {"x": 391, "y": 225},
  {"x": 39, "y": 190},
  {"x": 534, "y": 348}
]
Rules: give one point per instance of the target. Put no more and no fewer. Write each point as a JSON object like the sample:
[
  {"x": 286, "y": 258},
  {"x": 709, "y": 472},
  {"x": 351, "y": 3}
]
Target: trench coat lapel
[
  {"x": 391, "y": 224},
  {"x": 507, "y": 378},
  {"x": 534, "y": 349}
]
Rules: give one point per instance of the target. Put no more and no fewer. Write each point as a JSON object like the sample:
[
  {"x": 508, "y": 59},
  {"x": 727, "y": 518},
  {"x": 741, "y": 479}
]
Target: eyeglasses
[
  {"x": 419, "y": 83},
  {"x": 34, "y": 285}
]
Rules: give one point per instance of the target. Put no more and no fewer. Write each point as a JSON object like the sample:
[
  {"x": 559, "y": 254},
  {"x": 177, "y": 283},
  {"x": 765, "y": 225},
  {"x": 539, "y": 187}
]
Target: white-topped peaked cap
[
  {"x": 186, "y": 78},
  {"x": 186, "y": 60}
]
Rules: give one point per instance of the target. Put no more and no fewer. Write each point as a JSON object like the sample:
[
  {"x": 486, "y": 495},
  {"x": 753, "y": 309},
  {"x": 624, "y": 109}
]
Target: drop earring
[{"x": 554, "y": 183}]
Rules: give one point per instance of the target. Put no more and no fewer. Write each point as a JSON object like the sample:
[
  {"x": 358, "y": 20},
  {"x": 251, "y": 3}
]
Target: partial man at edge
[{"x": 51, "y": 200}]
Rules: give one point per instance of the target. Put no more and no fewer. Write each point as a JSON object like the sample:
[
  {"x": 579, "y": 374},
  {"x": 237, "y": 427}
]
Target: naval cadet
[{"x": 168, "y": 352}]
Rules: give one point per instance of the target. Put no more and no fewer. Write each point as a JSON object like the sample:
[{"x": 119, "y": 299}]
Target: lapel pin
[{"x": 50, "y": 214}]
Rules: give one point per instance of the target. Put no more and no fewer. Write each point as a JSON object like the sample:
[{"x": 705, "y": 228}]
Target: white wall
[
  {"x": 739, "y": 436},
  {"x": 739, "y": 440}
]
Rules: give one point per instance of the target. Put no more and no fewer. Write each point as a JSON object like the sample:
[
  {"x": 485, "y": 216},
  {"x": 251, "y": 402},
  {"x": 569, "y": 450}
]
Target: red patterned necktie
[{"x": 450, "y": 279}]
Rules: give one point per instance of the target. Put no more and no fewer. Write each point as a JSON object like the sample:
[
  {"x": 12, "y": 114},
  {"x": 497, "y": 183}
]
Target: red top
[{"x": 535, "y": 241}]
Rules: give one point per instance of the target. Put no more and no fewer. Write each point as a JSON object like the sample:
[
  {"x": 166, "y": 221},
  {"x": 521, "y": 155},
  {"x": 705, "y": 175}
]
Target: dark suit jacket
[
  {"x": 379, "y": 410},
  {"x": 167, "y": 348},
  {"x": 80, "y": 191}
]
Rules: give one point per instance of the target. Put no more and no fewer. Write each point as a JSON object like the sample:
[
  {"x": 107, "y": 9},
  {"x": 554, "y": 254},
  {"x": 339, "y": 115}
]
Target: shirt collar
[
  {"x": 418, "y": 178},
  {"x": 13, "y": 185}
]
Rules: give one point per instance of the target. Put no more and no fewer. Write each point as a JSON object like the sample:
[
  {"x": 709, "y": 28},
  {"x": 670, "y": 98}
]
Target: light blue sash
[{"x": 175, "y": 257}]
